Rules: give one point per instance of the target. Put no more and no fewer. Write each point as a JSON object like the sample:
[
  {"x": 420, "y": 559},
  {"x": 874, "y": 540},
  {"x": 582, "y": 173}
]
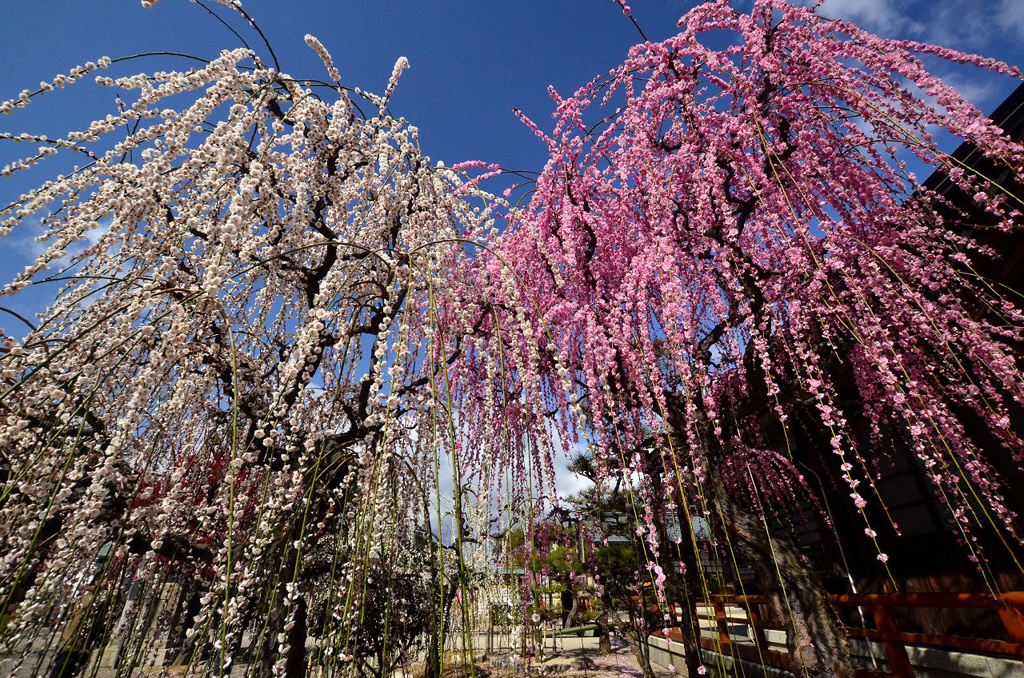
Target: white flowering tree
[{"x": 223, "y": 393}]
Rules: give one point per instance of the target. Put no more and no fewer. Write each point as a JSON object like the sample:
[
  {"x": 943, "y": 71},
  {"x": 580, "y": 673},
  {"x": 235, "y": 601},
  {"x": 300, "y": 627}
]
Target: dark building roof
[{"x": 970, "y": 218}]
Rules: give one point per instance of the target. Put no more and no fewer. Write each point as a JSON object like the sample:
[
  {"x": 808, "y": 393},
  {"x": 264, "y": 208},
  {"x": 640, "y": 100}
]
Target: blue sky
[{"x": 473, "y": 61}]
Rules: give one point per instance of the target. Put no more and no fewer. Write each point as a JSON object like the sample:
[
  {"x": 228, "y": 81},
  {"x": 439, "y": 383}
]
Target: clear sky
[{"x": 472, "y": 61}]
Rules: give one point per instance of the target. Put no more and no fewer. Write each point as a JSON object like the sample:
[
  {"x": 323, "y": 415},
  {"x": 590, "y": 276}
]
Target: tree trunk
[
  {"x": 641, "y": 650},
  {"x": 604, "y": 634},
  {"x": 688, "y": 626},
  {"x": 815, "y": 640},
  {"x": 432, "y": 668},
  {"x": 295, "y": 641},
  {"x": 687, "y": 595},
  {"x": 438, "y": 629},
  {"x": 193, "y": 606},
  {"x": 295, "y": 667},
  {"x": 277, "y": 621}
]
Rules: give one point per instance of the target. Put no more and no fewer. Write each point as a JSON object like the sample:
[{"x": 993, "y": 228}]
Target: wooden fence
[{"x": 755, "y": 620}]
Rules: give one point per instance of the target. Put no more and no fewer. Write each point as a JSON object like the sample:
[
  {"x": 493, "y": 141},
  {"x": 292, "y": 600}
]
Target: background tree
[{"x": 620, "y": 565}]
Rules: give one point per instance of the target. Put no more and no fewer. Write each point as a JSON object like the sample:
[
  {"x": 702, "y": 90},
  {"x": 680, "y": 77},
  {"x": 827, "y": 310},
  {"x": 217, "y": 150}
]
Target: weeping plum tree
[
  {"x": 221, "y": 395},
  {"x": 244, "y": 384},
  {"x": 742, "y": 228}
]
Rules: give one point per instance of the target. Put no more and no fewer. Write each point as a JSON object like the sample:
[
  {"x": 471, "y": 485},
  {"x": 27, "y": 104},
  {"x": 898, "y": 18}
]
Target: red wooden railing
[{"x": 1009, "y": 606}]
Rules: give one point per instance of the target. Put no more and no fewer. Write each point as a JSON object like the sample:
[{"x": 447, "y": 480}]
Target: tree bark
[
  {"x": 438, "y": 629},
  {"x": 604, "y": 634},
  {"x": 815, "y": 640},
  {"x": 688, "y": 627},
  {"x": 641, "y": 650},
  {"x": 277, "y": 621}
]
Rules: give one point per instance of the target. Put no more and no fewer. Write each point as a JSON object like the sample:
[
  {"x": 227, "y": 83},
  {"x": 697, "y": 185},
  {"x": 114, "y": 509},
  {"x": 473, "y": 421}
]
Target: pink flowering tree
[
  {"x": 224, "y": 393},
  {"x": 733, "y": 255}
]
